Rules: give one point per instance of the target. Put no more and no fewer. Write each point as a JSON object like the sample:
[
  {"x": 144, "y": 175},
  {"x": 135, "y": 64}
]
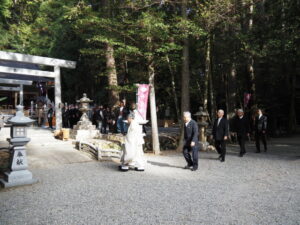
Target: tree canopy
[{"x": 236, "y": 48}]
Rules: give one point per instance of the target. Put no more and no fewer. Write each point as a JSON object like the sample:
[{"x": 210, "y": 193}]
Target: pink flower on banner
[{"x": 143, "y": 93}]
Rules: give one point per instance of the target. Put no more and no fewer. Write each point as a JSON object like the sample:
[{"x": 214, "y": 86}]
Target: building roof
[{"x": 21, "y": 76}]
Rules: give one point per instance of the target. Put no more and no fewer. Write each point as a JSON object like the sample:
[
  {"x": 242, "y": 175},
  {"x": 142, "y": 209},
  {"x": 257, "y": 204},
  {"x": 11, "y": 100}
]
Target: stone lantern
[
  {"x": 202, "y": 118},
  {"x": 18, "y": 174},
  {"x": 84, "y": 106},
  {"x": 84, "y": 129}
]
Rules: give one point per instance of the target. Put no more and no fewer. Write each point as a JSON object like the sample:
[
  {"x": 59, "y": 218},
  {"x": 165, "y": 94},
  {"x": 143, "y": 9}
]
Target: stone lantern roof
[
  {"x": 201, "y": 113},
  {"x": 19, "y": 118}
]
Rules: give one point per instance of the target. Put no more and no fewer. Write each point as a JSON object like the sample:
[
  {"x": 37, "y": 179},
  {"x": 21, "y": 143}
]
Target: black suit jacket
[
  {"x": 98, "y": 115},
  {"x": 219, "y": 132},
  {"x": 260, "y": 124},
  {"x": 124, "y": 113},
  {"x": 191, "y": 133},
  {"x": 241, "y": 126}
]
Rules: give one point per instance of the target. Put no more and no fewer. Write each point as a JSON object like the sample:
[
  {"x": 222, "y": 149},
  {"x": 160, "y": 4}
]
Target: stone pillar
[{"x": 58, "y": 113}]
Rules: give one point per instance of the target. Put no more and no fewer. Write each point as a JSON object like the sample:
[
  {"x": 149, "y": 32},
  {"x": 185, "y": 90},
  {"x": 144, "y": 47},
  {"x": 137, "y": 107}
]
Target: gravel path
[{"x": 257, "y": 189}]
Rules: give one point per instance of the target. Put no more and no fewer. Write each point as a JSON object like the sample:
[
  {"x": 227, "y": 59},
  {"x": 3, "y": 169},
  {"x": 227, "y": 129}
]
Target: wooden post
[
  {"x": 16, "y": 99},
  {"x": 155, "y": 136},
  {"x": 58, "y": 115},
  {"x": 21, "y": 94},
  {"x": 153, "y": 112}
]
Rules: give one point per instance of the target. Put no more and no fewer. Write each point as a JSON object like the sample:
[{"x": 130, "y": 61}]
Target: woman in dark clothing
[{"x": 50, "y": 116}]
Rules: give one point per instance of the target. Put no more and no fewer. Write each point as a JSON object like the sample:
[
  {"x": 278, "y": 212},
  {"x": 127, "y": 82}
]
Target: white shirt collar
[{"x": 187, "y": 122}]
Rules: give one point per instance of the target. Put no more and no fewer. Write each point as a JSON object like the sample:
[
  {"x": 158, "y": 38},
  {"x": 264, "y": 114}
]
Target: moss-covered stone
[{"x": 4, "y": 160}]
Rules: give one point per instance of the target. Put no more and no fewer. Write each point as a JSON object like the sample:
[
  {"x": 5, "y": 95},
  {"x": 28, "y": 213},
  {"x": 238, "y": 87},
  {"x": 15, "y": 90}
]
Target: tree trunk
[
  {"x": 292, "y": 111},
  {"x": 153, "y": 111},
  {"x": 251, "y": 58},
  {"x": 211, "y": 94},
  {"x": 173, "y": 88},
  {"x": 231, "y": 88},
  {"x": 185, "y": 77},
  {"x": 207, "y": 72},
  {"x": 113, "y": 97},
  {"x": 154, "y": 126}
]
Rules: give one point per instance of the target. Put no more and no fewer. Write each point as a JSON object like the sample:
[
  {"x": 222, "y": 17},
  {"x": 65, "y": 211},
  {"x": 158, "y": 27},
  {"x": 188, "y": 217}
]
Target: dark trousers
[
  {"x": 121, "y": 126},
  {"x": 262, "y": 136},
  {"x": 242, "y": 139},
  {"x": 102, "y": 126},
  {"x": 191, "y": 156},
  {"x": 50, "y": 122},
  {"x": 221, "y": 147},
  {"x": 72, "y": 122},
  {"x": 65, "y": 122}
]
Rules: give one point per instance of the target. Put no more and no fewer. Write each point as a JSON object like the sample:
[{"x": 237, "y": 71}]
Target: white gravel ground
[{"x": 256, "y": 189}]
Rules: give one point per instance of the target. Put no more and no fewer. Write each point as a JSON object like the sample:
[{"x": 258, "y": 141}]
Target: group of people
[
  {"x": 129, "y": 122},
  {"x": 240, "y": 126},
  {"x": 112, "y": 119},
  {"x": 70, "y": 115},
  {"x": 106, "y": 119}
]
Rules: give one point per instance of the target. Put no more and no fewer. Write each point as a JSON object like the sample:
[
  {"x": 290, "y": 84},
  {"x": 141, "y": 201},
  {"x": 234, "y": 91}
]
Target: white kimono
[{"x": 133, "y": 152}]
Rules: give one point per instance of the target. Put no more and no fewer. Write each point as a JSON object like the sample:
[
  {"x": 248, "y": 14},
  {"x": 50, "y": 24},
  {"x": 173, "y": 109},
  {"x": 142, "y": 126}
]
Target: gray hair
[
  {"x": 240, "y": 110},
  {"x": 221, "y": 110},
  {"x": 131, "y": 115},
  {"x": 187, "y": 114}
]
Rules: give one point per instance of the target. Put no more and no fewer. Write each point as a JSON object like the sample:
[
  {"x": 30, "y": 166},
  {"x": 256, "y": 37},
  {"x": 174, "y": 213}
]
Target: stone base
[
  {"x": 119, "y": 138},
  {"x": 84, "y": 124},
  {"x": 80, "y": 135},
  {"x": 203, "y": 145},
  {"x": 17, "y": 178}
]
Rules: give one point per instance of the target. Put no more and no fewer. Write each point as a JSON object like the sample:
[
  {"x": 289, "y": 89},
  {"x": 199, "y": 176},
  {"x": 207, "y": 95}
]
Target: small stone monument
[
  {"x": 18, "y": 174},
  {"x": 84, "y": 129},
  {"x": 202, "y": 118}
]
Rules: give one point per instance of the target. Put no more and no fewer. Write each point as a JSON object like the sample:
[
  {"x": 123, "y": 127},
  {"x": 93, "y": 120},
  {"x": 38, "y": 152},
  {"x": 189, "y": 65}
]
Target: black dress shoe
[
  {"x": 222, "y": 160},
  {"x": 258, "y": 151},
  {"x": 241, "y": 155},
  {"x": 220, "y": 157},
  {"x": 194, "y": 169},
  {"x": 187, "y": 167},
  {"x": 123, "y": 168}
]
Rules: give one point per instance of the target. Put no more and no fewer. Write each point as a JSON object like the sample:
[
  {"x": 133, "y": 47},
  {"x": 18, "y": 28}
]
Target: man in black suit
[
  {"x": 191, "y": 143},
  {"x": 260, "y": 127},
  {"x": 242, "y": 129},
  {"x": 220, "y": 134},
  {"x": 101, "y": 119}
]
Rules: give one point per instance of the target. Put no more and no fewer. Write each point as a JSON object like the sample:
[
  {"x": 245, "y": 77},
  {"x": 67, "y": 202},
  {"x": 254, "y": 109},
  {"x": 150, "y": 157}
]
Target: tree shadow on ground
[
  {"x": 163, "y": 164},
  {"x": 271, "y": 154}
]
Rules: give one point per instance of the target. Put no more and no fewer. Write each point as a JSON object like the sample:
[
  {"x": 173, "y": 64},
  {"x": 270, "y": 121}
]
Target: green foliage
[
  {"x": 4, "y": 9},
  {"x": 152, "y": 31}
]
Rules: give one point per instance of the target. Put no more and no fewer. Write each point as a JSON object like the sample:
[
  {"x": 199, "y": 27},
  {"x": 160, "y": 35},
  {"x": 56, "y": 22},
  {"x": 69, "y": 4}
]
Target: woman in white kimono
[{"x": 133, "y": 155}]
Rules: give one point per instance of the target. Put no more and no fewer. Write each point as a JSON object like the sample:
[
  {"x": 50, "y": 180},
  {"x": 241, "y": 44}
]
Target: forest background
[{"x": 209, "y": 53}]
